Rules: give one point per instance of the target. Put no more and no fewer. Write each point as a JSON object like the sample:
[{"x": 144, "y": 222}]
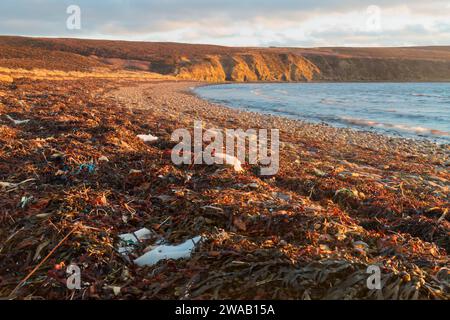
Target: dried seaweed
[{"x": 341, "y": 202}]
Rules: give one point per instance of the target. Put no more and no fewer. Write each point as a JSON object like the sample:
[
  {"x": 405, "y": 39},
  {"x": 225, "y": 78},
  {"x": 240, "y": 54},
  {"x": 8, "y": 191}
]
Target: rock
[
  {"x": 319, "y": 173},
  {"x": 282, "y": 196},
  {"x": 165, "y": 198}
]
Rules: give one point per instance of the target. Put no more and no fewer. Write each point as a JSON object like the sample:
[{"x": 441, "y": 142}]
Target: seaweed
[{"x": 75, "y": 176}]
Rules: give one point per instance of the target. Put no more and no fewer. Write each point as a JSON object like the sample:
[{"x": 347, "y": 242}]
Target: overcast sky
[{"x": 298, "y": 23}]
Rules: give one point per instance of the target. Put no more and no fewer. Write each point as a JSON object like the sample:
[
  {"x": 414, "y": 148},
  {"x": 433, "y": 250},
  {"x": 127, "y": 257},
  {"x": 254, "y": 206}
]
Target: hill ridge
[{"x": 220, "y": 63}]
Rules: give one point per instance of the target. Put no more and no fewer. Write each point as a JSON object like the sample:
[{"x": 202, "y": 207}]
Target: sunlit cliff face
[{"x": 239, "y": 23}]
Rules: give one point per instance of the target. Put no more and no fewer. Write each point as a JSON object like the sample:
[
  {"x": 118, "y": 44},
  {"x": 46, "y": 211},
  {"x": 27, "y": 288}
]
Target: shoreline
[
  {"x": 342, "y": 201},
  {"x": 419, "y": 140},
  {"x": 394, "y": 135}
]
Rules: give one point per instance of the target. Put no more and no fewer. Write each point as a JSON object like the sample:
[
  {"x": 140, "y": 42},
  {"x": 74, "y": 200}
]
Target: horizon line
[{"x": 224, "y": 46}]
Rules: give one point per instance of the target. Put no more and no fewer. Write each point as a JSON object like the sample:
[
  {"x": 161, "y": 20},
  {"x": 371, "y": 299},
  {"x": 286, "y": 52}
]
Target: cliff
[
  {"x": 249, "y": 67},
  {"x": 378, "y": 69}
]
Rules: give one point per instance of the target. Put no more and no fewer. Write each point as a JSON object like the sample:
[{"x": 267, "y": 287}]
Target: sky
[{"x": 290, "y": 23}]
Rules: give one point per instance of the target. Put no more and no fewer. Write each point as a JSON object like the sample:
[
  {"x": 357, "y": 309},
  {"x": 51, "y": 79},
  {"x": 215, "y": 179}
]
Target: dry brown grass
[
  {"x": 9, "y": 74},
  {"x": 6, "y": 78}
]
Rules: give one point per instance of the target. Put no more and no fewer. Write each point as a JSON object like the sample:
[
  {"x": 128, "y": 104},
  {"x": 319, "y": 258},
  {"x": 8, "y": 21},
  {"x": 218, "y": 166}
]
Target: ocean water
[{"x": 412, "y": 110}]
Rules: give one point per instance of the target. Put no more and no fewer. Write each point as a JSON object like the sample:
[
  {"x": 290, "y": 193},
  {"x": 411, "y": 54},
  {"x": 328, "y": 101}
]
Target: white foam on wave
[
  {"x": 398, "y": 126},
  {"x": 361, "y": 122},
  {"x": 256, "y": 92}
]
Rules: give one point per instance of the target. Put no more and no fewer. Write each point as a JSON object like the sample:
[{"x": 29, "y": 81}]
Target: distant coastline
[{"x": 218, "y": 64}]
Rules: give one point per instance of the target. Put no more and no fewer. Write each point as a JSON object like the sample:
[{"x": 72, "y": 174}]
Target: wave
[
  {"x": 329, "y": 101},
  {"x": 427, "y": 95},
  {"x": 360, "y": 122},
  {"x": 401, "y": 127},
  {"x": 418, "y": 112},
  {"x": 256, "y": 92}
]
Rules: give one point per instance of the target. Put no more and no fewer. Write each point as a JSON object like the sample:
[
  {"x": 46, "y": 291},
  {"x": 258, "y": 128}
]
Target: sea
[{"x": 410, "y": 110}]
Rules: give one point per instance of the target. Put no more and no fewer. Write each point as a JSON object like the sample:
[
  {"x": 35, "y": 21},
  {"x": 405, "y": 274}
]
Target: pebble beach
[{"x": 75, "y": 176}]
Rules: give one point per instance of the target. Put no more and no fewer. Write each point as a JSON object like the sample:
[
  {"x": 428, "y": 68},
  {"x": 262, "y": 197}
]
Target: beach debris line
[
  {"x": 383, "y": 201},
  {"x": 166, "y": 252}
]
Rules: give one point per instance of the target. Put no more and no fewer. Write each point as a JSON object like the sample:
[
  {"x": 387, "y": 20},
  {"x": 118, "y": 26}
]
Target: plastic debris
[
  {"x": 17, "y": 122},
  {"x": 24, "y": 201},
  {"x": 6, "y": 185},
  {"x": 130, "y": 240},
  {"x": 165, "y": 252},
  {"x": 90, "y": 167},
  {"x": 212, "y": 208},
  {"x": 147, "y": 137},
  {"x": 116, "y": 290},
  {"x": 230, "y": 160},
  {"x": 283, "y": 237}
]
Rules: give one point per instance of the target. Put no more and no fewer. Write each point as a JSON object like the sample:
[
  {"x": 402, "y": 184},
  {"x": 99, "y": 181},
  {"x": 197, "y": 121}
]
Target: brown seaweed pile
[{"x": 74, "y": 176}]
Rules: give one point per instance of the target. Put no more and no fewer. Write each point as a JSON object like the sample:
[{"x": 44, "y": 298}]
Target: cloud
[{"x": 236, "y": 22}]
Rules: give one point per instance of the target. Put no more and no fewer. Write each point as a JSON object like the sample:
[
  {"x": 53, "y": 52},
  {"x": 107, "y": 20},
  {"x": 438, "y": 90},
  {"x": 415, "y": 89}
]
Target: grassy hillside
[{"x": 217, "y": 63}]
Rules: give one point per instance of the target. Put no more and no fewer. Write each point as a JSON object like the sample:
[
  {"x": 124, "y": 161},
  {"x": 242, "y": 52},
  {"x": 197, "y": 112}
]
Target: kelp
[{"x": 76, "y": 176}]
